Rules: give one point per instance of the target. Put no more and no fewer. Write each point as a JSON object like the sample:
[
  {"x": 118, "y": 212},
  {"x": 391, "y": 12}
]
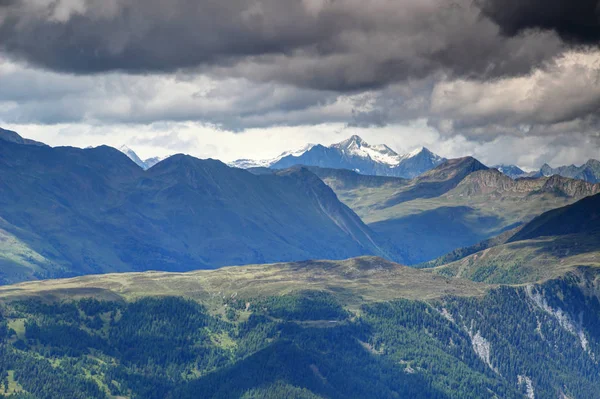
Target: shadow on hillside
[
  {"x": 348, "y": 371},
  {"x": 436, "y": 232},
  {"x": 562, "y": 246}
]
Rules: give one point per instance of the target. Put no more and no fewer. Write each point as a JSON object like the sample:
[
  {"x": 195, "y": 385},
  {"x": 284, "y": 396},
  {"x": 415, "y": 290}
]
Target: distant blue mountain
[
  {"x": 589, "y": 171},
  {"x": 81, "y": 211},
  {"x": 512, "y": 171}
]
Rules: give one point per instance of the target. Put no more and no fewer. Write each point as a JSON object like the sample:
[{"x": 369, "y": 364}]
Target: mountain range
[
  {"x": 67, "y": 211},
  {"x": 357, "y": 155},
  {"x": 62, "y": 209},
  {"x": 589, "y": 171},
  {"x": 354, "y": 154}
]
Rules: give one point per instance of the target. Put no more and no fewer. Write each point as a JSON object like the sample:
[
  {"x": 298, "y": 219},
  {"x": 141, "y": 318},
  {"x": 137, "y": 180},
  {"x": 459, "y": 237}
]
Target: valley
[{"x": 457, "y": 204}]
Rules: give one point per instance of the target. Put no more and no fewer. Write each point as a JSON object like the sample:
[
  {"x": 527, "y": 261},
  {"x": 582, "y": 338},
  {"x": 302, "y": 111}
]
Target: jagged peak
[
  {"x": 468, "y": 160},
  {"x": 124, "y": 147},
  {"x": 454, "y": 166},
  {"x": 132, "y": 155},
  {"x": 417, "y": 151},
  {"x": 354, "y": 140},
  {"x": 424, "y": 151}
]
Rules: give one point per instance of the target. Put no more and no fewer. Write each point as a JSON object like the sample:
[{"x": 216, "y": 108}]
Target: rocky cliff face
[
  {"x": 570, "y": 187},
  {"x": 492, "y": 181}
]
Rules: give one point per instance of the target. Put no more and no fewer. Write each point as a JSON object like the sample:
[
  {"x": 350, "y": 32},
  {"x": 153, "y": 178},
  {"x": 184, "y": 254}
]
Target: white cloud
[
  {"x": 561, "y": 97},
  {"x": 205, "y": 141}
]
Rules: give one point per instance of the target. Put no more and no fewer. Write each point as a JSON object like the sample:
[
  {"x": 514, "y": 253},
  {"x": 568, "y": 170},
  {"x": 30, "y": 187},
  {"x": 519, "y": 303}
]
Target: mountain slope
[
  {"x": 354, "y": 154},
  {"x": 552, "y": 244},
  {"x": 96, "y": 211},
  {"x": 438, "y": 181},
  {"x": 133, "y": 156},
  {"x": 14, "y": 137},
  {"x": 582, "y": 217},
  {"x": 590, "y": 171}
]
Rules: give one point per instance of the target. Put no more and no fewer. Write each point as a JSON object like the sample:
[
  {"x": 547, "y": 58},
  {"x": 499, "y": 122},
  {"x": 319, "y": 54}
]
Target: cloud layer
[
  {"x": 480, "y": 70},
  {"x": 323, "y": 44},
  {"x": 575, "y": 21}
]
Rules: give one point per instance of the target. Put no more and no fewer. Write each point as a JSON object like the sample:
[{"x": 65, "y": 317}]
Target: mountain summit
[
  {"x": 355, "y": 154},
  {"x": 589, "y": 171},
  {"x": 14, "y": 137},
  {"x": 144, "y": 164}
]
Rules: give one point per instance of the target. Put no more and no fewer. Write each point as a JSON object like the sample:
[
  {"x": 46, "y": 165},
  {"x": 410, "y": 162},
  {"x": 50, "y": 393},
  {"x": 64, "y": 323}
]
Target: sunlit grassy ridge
[
  {"x": 526, "y": 261},
  {"x": 357, "y": 280}
]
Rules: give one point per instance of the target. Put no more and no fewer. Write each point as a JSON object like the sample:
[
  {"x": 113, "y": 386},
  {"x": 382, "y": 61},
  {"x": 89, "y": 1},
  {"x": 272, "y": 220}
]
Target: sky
[{"x": 508, "y": 81}]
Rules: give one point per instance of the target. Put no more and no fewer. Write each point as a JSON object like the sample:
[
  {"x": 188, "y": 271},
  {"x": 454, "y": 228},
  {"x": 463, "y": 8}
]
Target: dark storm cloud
[
  {"x": 323, "y": 44},
  {"x": 576, "y": 21},
  {"x": 477, "y": 68}
]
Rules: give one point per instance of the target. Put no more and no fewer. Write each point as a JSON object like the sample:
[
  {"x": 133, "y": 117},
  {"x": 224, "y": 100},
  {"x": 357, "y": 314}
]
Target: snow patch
[
  {"x": 380, "y": 153},
  {"x": 266, "y": 163}
]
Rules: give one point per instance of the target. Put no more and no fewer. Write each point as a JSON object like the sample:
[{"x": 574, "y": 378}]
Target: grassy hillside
[
  {"x": 461, "y": 253},
  {"x": 552, "y": 244},
  {"x": 363, "y": 328},
  {"x": 353, "y": 281},
  {"x": 526, "y": 261}
]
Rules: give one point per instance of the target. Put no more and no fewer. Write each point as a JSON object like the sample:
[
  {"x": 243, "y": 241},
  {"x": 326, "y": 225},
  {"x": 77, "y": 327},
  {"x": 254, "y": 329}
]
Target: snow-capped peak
[
  {"x": 144, "y": 164},
  {"x": 350, "y": 143},
  {"x": 265, "y": 163},
  {"x": 415, "y": 152},
  {"x": 426, "y": 152},
  {"x": 356, "y": 146},
  {"x": 295, "y": 153},
  {"x": 373, "y": 159},
  {"x": 132, "y": 155}
]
